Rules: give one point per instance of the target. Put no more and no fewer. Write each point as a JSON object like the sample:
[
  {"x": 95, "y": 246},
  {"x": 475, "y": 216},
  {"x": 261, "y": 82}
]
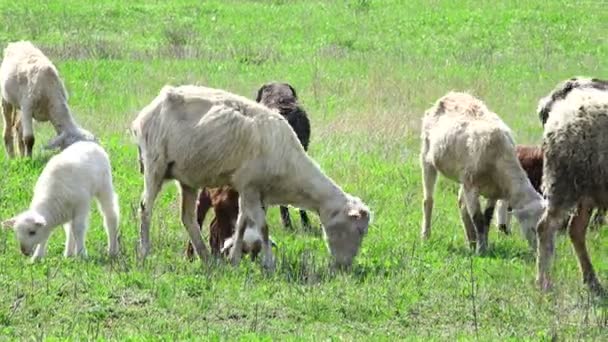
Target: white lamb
[
  {"x": 29, "y": 81},
  {"x": 204, "y": 137},
  {"x": 469, "y": 144},
  {"x": 63, "y": 195}
]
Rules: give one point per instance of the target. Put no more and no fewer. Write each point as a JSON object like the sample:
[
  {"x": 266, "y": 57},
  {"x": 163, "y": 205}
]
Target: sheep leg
[
  {"x": 469, "y": 227},
  {"x": 8, "y": 117},
  {"x": 19, "y": 139},
  {"x": 285, "y": 217},
  {"x": 237, "y": 242},
  {"x": 489, "y": 211},
  {"x": 70, "y": 245},
  {"x": 305, "y": 220},
  {"x": 189, "y": 196},
  {"x": 578, "y": 230},
  {"x": 79, "y": 229},
  {"x": 503, "y": 217},
  {"x": 546, "y": 229},
  {"x": 27, "y": 126},
  {"x": 268, "y": 261},
  {"x": 107, "y": 202},
  {"x": 429, "y": 175},
  {"x": 152, "y": 186},
  {"x": 202, "y": 207},
  {"x": 471, "y": 199}
]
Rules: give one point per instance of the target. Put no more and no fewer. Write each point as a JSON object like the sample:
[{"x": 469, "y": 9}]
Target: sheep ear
[
  {"x": 37, "y": 219},
  {"x": 10, "y": 223},
  {"x": 293, "y": 91},
  {"x": 260, "y": 91},
  {"x": 362, "y": 219}
]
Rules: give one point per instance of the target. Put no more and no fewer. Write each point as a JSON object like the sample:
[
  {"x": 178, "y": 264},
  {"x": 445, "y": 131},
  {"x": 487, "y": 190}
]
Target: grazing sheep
[
  {"x": 205, "y": 137},
  {"x": 30, "y": 82},
  {"x": 63, "y": 195},
  {"x": 283, "y": 97},
  {"x": 224, "y": 201},
  {"x": 575, "y": 174},
  {"x": 469, "y": 144},
  {"x": 562, "y": 90},
  {"x": 531, "y": 159}
]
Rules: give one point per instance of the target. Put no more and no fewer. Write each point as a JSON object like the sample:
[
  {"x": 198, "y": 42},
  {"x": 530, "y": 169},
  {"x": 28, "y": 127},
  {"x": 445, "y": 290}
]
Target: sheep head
[
  {"x": 252, "y": 243},
  {"x": 67, "y": 138},
  {"x": 30, "y": 228},
  {"x": 528, "y": 218},
  {"x": 345, "y": 228}
]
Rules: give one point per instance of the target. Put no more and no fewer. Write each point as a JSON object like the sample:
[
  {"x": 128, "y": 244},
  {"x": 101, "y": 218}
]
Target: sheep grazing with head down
[
  {"x": 283, "y": 97},
  {"x": 30, "y": 82},
  {"x": 62, "y": 195},
  {"x": 575, "y": 174},
  {"x": 225, "y": 203},
  {"x": 469, "y": 144},
  {"x": 205, "y": 137},
  {"x": 531, "y": 159}
]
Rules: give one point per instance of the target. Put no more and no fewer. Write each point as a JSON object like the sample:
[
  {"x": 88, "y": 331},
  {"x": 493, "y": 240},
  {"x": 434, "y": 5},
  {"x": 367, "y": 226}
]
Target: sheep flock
[{"x": 241, "y": 156}]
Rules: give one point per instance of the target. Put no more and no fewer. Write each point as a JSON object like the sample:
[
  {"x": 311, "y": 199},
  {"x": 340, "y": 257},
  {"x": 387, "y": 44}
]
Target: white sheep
[
  {"x": 62, "y": 195},
  {"x": 471, "y": 145},
  {"x": 205, "y": 137},
  {"x": 574, "y": 176},
  {"x": 30, "y": 82}
]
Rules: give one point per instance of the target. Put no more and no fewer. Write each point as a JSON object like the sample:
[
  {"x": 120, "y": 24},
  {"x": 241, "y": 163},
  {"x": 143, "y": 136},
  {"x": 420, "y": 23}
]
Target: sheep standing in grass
[
  {"x": 30, "y": 82},
  {"x": 225, "y": 203},
  {"x": 469, "y": 144},
  {"x": 205, "y": 137},
  {"x": 575, "y": 174},
  {"x": 63, "y": 195},
  {"x": 283, "y": 97}
]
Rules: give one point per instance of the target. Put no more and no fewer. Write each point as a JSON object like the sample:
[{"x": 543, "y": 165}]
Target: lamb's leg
[
  {"x": 70, "y": 244},
  {"x": 489, "y": 211},
  {"x": 503, "y": 217},
  {"x": 153, "y": 182},
  {"x": 8, "y": 117},
  {"x": 305, "y": 220},
  {"x": 285, "y": 217},
  {"x": 547, "y": 227},
  {"x": 469, "y": 227},
  {"x": 107, "y": 202},
  {"x": 578, "y": 230},
  {"x": 471, "y": 199},
  {"x": 429, "y": 176},
  {"x": 189, "y": 196},
  {"x": 28, "y": 129},
  {"x": 79, "y": 229}
]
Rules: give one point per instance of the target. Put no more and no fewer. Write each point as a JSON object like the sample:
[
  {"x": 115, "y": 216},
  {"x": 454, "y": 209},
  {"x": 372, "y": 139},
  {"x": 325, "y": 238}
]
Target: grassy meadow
[{"x": 365, "y": 70}]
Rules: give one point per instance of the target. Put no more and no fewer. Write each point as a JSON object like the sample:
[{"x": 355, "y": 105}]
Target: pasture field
[{"x": 365, "y": 71}]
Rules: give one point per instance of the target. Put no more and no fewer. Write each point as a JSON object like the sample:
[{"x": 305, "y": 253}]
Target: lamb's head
[
  {"x": 252, "y": 243},
  {"x": 528, "y": 218},
  {"x": 67, "y": 138},
  {"x": 275, "y": 94},
  {"x": 345, "y": 226},
  {"x": 30, "y": 228}
]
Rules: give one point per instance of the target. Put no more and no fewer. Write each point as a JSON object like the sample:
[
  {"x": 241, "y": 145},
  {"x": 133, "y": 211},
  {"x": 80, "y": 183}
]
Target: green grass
[{"x": 365, "y": 71}]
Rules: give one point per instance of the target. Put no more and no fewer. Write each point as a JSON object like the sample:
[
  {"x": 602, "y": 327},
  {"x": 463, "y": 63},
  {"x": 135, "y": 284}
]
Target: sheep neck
[
  {"x": 61, "y": 117},
  {"x": 522, "y": 191},
  {"x": 317, "y": 188}
]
